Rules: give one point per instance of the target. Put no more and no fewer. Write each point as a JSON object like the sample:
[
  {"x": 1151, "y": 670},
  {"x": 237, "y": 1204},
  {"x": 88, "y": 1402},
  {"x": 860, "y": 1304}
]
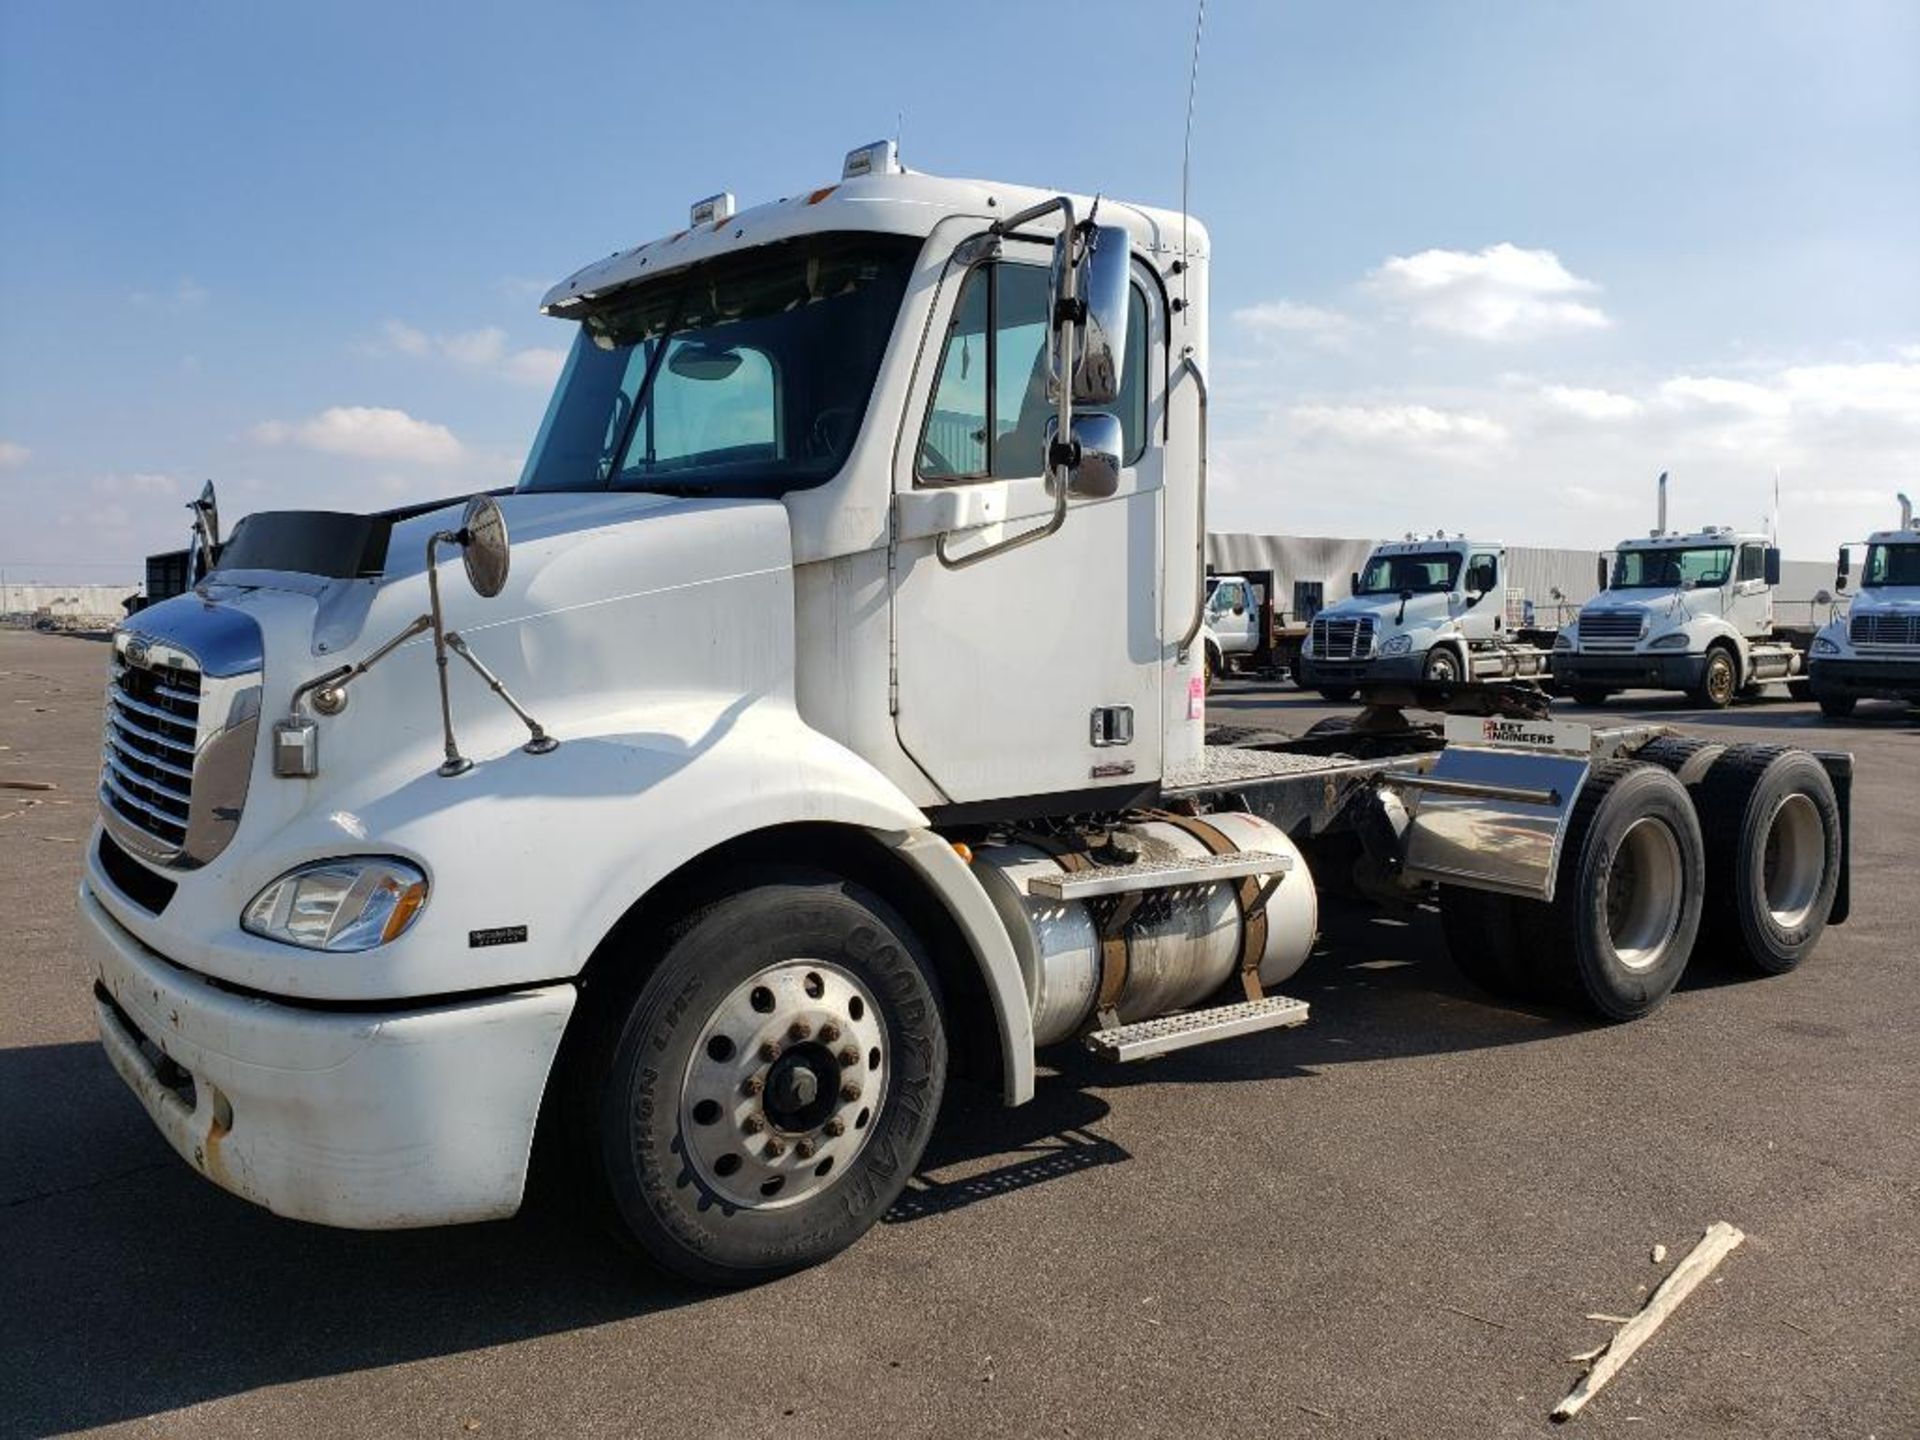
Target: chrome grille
[
  {"x": 1885, "y": 629},
  {"x": 153, "y": 727},
  {"x": 1340, "y": 638},
  {"x": 1610, "y": 627}
]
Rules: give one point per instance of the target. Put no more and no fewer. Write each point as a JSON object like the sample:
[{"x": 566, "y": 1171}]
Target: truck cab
[
  {"x": 1873, "y": 651},
  {"x": 1232, "y": 628},
  {"x": 1420, "y": 610},
  {"x": 1689, "y": 612}
]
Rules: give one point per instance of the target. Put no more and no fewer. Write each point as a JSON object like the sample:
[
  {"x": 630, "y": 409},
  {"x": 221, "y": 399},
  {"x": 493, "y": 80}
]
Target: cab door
[
  {"x": 1750, "y": 597},
  {"x": 1481, "y": 619},
  {"x": 1031, "y": 671}
]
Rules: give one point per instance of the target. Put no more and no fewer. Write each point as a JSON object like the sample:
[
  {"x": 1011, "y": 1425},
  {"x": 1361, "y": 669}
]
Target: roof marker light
[
  {"x": 714, "y": 210},
  {"x": 882, "y": 157}
]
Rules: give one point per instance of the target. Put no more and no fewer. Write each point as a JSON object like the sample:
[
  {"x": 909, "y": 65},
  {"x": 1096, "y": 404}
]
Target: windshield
[
  {"x": 1390, "y": 574},
  {"x": 1672, "y": 568},
  {"x": 745, "y": 376},
  {"x": 1892, "y": 565}
]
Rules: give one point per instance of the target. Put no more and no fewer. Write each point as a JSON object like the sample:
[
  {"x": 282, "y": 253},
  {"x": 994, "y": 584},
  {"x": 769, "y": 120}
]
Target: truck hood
[{"x": 1423, "y": 610}]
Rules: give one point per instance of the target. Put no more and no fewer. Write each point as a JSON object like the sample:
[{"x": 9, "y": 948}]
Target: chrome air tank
[{"x": 1184, "y": 944}]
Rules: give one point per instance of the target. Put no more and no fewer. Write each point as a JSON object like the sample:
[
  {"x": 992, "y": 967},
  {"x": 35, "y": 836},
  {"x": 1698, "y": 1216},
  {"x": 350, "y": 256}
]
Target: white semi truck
[
  {"x": 1688, "y": 612},
  {"x": 1421, "y": 611},
  {"x": 1873, "y": 651},
  {"x": 819, "y": 714}
]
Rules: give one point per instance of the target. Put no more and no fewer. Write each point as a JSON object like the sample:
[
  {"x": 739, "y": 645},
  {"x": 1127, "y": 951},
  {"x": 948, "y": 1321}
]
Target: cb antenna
[{"x": 1186, "y": 154}]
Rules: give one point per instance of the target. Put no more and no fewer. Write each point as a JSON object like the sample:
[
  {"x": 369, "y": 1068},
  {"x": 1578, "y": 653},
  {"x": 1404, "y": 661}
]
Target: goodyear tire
[
  {"x": 1627, "y": 901},
  {"x": 1720, "y": 681},
  {"x": 758, "y": 1099},
  {"x": 1772, "y": 825}
]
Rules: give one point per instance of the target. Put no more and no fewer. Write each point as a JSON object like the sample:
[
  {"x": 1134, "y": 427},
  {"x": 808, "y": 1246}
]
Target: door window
[
  {"x": 1753, "y": 562},
  {"x": 1483, "y": 573},
  {"x": 990, "y": 403}
]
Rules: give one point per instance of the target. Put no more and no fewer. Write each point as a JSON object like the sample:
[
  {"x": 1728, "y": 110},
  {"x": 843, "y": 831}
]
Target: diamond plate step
[
  {"x": 1196, "y": 1027},
  {"x": 1157, "y": 875}
]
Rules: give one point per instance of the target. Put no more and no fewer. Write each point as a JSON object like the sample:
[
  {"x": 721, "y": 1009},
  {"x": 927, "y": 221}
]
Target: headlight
[
  {"x": 1669, "y": 642},
  {"x": 1564, "y": 640},
  {"x": 341, "y": 905},
  {"x": 1823, "y": 646},
  {"x": 1397, "y": 645}
]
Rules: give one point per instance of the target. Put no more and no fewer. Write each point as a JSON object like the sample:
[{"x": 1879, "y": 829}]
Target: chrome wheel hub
[
  {"x": 1794, "y": 860},
  {"x": 1643, "y": 894},
  {"x": 784, "y": 1084}
]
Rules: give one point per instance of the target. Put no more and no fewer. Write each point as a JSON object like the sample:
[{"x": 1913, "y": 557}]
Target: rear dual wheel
[{"x": 753, "y": 1102}]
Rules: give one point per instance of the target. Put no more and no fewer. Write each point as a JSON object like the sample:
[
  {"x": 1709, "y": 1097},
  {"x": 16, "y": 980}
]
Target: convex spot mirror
[
  {"x": 483, "y": 545},
  {"x": 703, "y": 362},
  {"x": 1101, "y": 257},
  {"x": 1093, "y": 459}
]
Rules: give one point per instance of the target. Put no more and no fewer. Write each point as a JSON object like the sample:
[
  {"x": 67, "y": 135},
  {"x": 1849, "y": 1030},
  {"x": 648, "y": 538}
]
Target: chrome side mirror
[
  {"x": 483, "y": 544},
  {"x": 1098, "y": 313},
  {"x": 1092, "y": 454}
]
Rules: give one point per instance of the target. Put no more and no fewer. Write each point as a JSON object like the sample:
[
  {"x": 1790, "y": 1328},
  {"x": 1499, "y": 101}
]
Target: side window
[
  {"x": 990, "y": 404},
  {"x": 1753, "y": 562},
  {"x": 1483, "y": 573}
]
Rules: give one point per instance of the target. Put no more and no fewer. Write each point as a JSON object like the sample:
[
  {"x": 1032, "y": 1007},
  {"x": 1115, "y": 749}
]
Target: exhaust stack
[
  {"x": 1906, "y": 511},
  {"x": 1661, "y": 522}
]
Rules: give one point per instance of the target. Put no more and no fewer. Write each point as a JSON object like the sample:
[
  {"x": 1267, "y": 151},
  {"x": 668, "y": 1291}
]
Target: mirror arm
[
  {"x": 455, "y": 763},
  {"x": 338, "y": 680},
  {"x": 1200, "y": 524},
  {"x": 538, "y": 741}
]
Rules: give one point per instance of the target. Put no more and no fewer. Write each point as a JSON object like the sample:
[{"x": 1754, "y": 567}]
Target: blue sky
[{"x": 1487, "y": 265}]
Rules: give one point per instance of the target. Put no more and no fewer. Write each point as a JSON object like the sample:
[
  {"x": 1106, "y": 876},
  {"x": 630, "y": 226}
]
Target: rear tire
[
  {"x": 1837, "y": 707},
  {"x": 1485, "y": 943},
  {"x": 1685, "y": 757},
  {"x": 728, "y": 1182},
  {"x": 1627, "y": 902},
  {"x": 1772, "y": 826}
]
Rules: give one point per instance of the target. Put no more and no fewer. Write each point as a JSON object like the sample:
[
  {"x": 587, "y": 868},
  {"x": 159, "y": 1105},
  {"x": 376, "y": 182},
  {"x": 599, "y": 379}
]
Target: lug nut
[
  {"x": 754, "y": 1084},
  {"x": 849, "y": 1091},
  {"x": 799, "y": 1030},
  {"x": 848, "y": 1057},
  {"x": 775, "y": 1149},
  {"x": 753, "y": 1124},
  {"x": 804, "y": 1149},
  {"x": 836, "y": 1126},
  {"x": 769, "y": 1051},
  {"x": 829, "y": 1033}
]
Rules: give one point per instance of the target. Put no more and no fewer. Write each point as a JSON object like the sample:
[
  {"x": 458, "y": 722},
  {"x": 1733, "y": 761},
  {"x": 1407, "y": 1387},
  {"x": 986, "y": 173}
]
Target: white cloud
[
  {"x": 1589, "y": 404},
  {"x": 367, "y": 433},
  {"x": 185, "y": 294},
  {"x": 1313, "y": 323},
  {"x": 1395, "y": 425},
  {"x": 140, "y": 483},
  {"x": 12, "y": 454},
  {"x": 1711, "y": 391},
  {"x": 1501, "y": 293},
  {"x": 483, "y": 349}
]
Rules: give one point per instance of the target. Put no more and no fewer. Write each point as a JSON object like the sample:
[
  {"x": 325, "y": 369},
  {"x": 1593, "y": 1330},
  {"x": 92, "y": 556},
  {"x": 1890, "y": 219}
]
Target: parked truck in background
[
  {"x": 1688, "y": 612},
  {"x": 1246, "y": 631},
  {"x": 1430, "y": 611},
  {"x": 1873, "y": 651},
  {"x": 821, "y": 713}
]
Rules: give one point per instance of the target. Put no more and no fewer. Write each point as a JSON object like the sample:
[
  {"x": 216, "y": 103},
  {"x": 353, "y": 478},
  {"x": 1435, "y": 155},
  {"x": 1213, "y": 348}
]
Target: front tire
[
  {"x": 1719, "y": 681},
  {"x": 758, "y": 1099},
  {"x": 1336, "y": 694},
  {"x": 1442, "y": 667},
  {"x": 1837, "y": 707},
  {"x": 1589, "y": 695}
]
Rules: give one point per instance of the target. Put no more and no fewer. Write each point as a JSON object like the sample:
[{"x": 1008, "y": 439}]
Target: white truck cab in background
[
  {"x": 1873, "y": 651},
  {"x": 1688, "y": 612},
  {"x": 1429, "y": 611}
]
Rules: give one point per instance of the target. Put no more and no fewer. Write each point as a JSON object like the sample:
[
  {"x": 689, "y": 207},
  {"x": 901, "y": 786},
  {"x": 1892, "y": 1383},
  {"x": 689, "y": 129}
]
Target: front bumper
[
  {"x": 371, "y": 1121},
  {"x": 1629, "y": 670},
  {"x": 1865, "y": 679},
  {"x": 1379, "y": 670}
]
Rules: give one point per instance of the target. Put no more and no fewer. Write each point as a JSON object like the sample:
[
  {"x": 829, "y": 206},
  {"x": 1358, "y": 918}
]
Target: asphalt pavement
[{"x": 1393, "y": 1221}]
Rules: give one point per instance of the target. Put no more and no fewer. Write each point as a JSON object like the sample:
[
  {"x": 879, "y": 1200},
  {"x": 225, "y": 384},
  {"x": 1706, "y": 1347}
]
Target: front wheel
[
  {"x": 762, "y": 1096},
  {"x": 1588, "y": 694},
  {"x": 1336, "y": 694},
  {"x": 1718, "y": 681},
  {"x": 1442, "y": 667},
  {"x": 1837, "y": 707}
]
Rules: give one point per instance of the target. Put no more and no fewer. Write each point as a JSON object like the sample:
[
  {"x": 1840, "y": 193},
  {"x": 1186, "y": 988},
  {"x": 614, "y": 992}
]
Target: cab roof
[
  {"x": 899, "y": 203},
  {"x": 1712, "y": 535}
]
